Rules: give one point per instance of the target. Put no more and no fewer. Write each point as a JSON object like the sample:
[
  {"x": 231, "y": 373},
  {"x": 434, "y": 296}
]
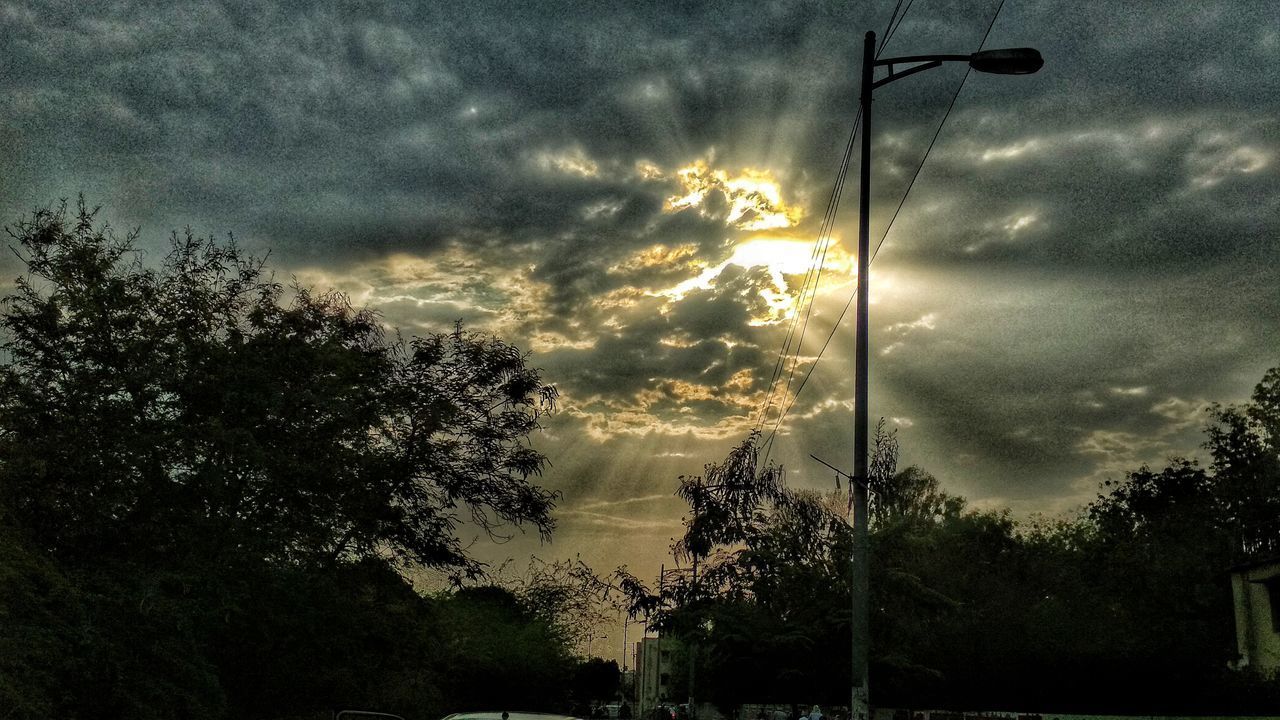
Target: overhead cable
[{"x": 835, "y": 326}]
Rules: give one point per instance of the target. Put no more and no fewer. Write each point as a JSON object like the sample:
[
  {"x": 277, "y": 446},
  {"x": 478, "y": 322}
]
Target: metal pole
[
  {"x": 639, "y": 669},
  {"x": 859, "y": 706},
  {"x": 693, "y": 647},
  {"x": 662, "y": 574}
]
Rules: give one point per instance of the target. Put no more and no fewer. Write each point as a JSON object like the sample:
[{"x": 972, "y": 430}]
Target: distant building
[
  {"x": 653, "y": 674},
  {"x": 1255, "y": 590}
]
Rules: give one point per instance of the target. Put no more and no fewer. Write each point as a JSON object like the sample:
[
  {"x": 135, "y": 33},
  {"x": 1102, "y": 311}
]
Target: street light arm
[
  {"x": 1006, "y": 61},
  {"x": 909, "y": 71},
  {"x": 921, "y": 58}
]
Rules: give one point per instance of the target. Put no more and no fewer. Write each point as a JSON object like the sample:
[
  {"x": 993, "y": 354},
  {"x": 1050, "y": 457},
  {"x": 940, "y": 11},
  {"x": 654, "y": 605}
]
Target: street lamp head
[{"x": 1009, "y": 61}]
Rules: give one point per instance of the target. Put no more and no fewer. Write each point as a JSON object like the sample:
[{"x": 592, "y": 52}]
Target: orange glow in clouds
[{"x": 752, "y": 201}]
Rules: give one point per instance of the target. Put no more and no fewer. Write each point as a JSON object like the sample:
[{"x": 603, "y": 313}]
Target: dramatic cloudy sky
[{"x": 631, "y": 192}]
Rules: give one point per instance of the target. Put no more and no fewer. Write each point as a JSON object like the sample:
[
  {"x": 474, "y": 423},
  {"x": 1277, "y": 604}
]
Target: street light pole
[
  {"x": 1014, "y": 61},
  {"x": 858, "y": 487}
]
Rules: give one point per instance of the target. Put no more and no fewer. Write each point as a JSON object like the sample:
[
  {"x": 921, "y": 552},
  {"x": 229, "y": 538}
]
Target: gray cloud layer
[{"x": 1087, "y": 259}]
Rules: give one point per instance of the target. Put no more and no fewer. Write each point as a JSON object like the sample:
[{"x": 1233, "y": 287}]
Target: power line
[
  {"x": 894, "y": 28},
  {"x": 813, "y": 272},
  {"x": 768, "y": 444},
  {"x": 780, "y": 363},
  {"x": 804, "y": 380},
  {"x": 824, "y": 240},
  {"x": 888, "y": 29},
  {"x": 934, "y": 139},
  {"x": 823, "y": 243},
  {"x": 895, "y": 22},
  {"x": 807, "y": 289},
  {"x": 783, "y": 351}
]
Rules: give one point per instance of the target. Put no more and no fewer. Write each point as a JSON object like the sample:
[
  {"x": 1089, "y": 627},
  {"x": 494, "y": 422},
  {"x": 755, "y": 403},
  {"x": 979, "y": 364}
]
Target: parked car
[{"x": 506, "y": 715}]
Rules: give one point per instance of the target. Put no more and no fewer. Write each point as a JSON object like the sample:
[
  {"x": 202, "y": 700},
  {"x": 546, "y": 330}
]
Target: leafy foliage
[
  {"x": 567, "y": 595},
  {"x": 209, "y": 484},
  {"x": 1100, "y": 613},
  {"x": 497, "y": 653},
  {"x": 190, "y": 411},
  {"x": 596, "y": 680}
]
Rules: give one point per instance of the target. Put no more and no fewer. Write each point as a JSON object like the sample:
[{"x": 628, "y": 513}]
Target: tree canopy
[
  {"x": 200, "y": 408},
  {"x": 1101, "y": 612},
  {"x": 212, "y": 484}
]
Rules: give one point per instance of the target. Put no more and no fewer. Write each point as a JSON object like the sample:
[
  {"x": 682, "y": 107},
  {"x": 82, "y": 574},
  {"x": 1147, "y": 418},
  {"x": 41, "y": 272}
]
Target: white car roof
[{"x": 510, "y": 716}]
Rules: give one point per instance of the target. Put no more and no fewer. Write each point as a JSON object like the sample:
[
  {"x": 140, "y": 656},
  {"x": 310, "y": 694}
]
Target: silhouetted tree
[
  {"x": 1244, "y": 443},
  {"x": 496, "y": 652},
  {"x": 208, "y": 483},
  {"x": 596, "y": 680},
  {"x": 192, "y": 410},
  {"x": 567, "y": 595},
  {"x": 1103, "y": 612}
]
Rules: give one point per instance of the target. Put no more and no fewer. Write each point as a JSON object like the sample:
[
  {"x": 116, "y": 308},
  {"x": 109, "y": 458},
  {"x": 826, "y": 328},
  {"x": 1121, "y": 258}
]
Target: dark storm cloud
[
  {"x": 1038, "y": 385},
  {"x": 381, "y": 126},
  {"x": 1158, "y": 196},
  {"x": 624, "y": 362}
]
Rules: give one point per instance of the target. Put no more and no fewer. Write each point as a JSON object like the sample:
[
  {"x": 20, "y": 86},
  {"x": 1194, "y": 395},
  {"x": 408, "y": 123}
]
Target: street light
[{"x": 1013, "y": 61}]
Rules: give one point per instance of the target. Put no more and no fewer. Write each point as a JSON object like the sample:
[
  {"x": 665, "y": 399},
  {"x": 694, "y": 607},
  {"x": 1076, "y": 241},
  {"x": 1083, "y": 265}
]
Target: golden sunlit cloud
[
  {"x": 648, "y": 171},
  {"x": 678, "y": 341},
  {"x": 573, "y": 161},
  {"x": 749, "y": 200},
  {"x": 621, "y": 299},
  {"x": 427, "y": 293},
  {"x": 659, "y": 256},
  {"x": 752, "y": 198},
  {"x": 664, "y": 411},
  {"x": 669, "y": 409},
  {"x": 419, "y": 292},
  {"x": 788, "y": 260}
]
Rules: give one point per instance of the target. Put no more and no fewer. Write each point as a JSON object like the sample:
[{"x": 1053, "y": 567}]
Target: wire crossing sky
[{"x": 636, "y": 195}]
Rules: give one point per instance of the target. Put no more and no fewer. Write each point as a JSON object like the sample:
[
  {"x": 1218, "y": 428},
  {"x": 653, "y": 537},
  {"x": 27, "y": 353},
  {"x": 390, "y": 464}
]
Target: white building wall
[
  {"x": 653, "y": 664},
  {"x": 1254, "y": 590}
]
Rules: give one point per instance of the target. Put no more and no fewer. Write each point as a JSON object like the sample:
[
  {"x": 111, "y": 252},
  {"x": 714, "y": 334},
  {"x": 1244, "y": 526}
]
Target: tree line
[
  {"x": 1125, "y": 608},
  {"x": 213, "y": 487}
]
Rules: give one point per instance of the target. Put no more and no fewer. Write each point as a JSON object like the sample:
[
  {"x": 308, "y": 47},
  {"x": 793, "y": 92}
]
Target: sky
[{"x": 632, "y": 193}]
